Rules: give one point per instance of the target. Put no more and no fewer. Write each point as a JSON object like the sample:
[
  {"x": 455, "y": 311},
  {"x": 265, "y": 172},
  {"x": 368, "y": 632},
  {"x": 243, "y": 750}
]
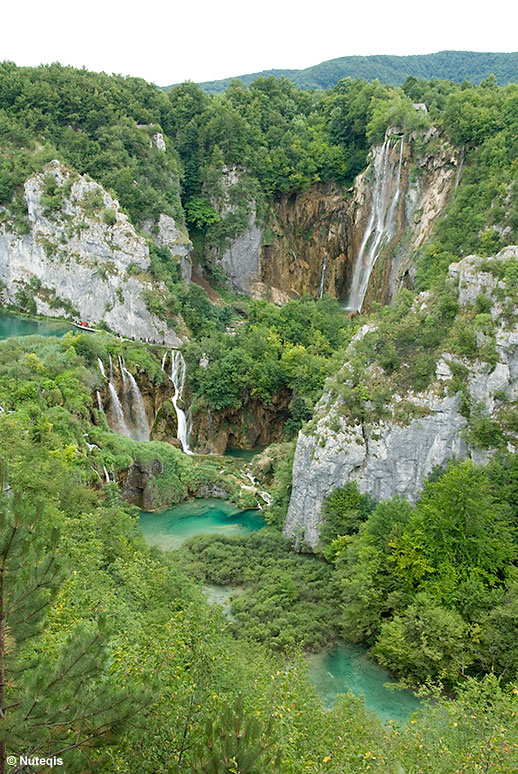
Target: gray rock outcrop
[
  {"x": 81, "y": 258},
  {"x": 391, "y": 456}
]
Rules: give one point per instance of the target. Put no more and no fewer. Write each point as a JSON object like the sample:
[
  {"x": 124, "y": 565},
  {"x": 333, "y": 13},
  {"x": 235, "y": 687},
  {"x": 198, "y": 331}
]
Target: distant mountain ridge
[{"x": 455, "y": 66}]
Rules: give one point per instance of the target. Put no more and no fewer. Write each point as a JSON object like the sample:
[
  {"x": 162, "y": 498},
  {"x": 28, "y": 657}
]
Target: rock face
[
  {"x": 240, "y": 261},
  {"x": 307, "y": 244},
  {"x": 254, "y": 424},
  {"x": 392, "y": 456},
  {"x": 166, "y": 233},
  {"x": 80, "y": 257}
]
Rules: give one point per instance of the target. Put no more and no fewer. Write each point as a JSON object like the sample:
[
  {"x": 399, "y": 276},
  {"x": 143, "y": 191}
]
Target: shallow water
[
  {"x": 347, "y": 667},
  {"x": 171, "y": 528},
  {"x": 222, "y": 595},
  {"x": 11, "y": 325},
  {"x": 244, "y": 454}
]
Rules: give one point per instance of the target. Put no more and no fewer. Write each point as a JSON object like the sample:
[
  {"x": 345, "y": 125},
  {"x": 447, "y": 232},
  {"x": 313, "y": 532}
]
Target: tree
[
  {"x": 235, "y": 744},
  {"x": 55, "y": 694}
]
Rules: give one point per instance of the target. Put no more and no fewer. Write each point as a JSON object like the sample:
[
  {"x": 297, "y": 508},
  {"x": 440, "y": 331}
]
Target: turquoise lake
[
  {"x": 12, "y": 325},
  {"x": 343, "y": 668},
  {"x": 347, "y": 667},
  {"x": 172, "y": 527}
]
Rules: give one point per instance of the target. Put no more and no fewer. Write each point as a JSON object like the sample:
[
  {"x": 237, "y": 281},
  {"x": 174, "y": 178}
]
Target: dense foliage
[
  {"x": 287, "y": 602},
  {"x": 434, "y": 586},
  {"x": 274, "y": 350}
]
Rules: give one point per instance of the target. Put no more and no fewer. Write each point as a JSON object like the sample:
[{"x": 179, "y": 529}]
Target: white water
[
  {"x": 322, "y": 277},
  {"x": 106, "y": 474},
  {"x": 178, "y": 379},
  {"x": 99, "y": 401},
  {"x": 382, "y": 224},
  {"x": 117, "y": 414},
  {"x": 101, "y": 367},
  {"x": 164, "y": 359},
  {"x": 141, "y": 430}
]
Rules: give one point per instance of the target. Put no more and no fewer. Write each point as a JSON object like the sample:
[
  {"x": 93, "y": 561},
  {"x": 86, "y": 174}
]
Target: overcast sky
[{"x": 168, "y": 42}]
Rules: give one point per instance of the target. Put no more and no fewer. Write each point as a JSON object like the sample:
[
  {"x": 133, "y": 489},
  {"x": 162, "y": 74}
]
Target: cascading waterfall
[
  {"x": 322, "y": 277},
  {"x": 382, "y": 224},
  {"x": 140, "y": 430},
  {"x": 129, "y": 416},
  {"x": 117, "y": 414},
  {"x": 178, "y": 379},
  {"x": 164, "y": 359}
]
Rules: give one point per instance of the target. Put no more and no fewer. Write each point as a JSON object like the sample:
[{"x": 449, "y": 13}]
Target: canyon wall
[{"x": 357, "y": 244}]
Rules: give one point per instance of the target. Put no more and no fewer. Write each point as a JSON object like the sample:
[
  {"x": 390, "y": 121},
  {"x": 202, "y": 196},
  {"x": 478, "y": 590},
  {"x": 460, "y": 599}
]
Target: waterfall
[
  {"x": 122, "y": 368},
  {"x": 117, "y": 414},
  {"x": 101, "y": 367},
  {"x": 382, "y": 224},
  {"x": 164, "y": 359},
  {"x": 106, "y": 474},
  {"x": 99, "y": 401},
  {"x": 323, "y": 276},
  {"x": 178, "y": 379},
  {"x": 141, "y": 430}
]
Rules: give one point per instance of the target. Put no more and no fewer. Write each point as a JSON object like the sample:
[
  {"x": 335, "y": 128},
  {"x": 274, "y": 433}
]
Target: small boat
[{"x": 83, "y": 326}]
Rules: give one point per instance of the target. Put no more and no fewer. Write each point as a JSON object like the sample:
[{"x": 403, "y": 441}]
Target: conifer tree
[
  {"x": 56, "y": 697},
  {"x": 235, "y": 744}
]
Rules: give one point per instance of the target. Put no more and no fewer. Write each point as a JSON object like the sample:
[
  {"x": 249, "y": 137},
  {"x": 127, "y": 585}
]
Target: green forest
[
  {"x": 111, "y": 657},
  {"x": 456, "y": 66}
]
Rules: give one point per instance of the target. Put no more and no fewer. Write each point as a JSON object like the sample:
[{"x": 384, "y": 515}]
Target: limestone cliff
[
  {"x": 80, "y": 256},
  {"x": 394, "y": 453}
]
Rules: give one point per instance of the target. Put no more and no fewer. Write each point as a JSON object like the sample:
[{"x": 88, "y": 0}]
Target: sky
[{"x": 169, "y": 42}]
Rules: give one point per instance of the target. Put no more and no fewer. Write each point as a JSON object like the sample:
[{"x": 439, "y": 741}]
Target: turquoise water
[
  {"x": 347, "y": 667},
  {"x": 171, "y": 528},
  {"x": 244, "y": 454},
  {"x": 11, "y": 325}
]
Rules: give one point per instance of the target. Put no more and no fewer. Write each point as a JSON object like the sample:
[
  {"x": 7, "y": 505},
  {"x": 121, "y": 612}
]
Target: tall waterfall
[
  {"x": 178, "y": 379},
  {"x": 99, "y": 401},
  {"x": 382, "y": 223},
  {"x": 101, "y": 368},
  {"x": 140, "y": 430}
]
